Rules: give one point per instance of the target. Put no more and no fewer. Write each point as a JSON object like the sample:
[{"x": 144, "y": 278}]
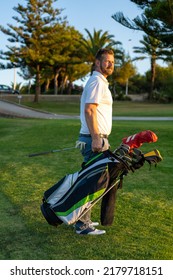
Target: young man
[{"x": 96, "y": 121}]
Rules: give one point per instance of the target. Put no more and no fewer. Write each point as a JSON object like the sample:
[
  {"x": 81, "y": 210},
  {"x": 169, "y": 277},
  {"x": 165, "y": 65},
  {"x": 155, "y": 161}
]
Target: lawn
[
  {"x": 142, "y": 227},
  {"x": 119, "y": 108}
]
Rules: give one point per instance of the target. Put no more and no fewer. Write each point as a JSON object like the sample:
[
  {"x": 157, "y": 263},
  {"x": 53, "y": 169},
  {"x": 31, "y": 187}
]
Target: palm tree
[
  {"x": 152, "y": 49},
  {"x": 156, "y": 19},
  {"x": 96, "y": 41}
]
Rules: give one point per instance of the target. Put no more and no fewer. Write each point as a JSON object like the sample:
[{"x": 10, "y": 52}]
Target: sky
[{"x": 82, "y": 14}]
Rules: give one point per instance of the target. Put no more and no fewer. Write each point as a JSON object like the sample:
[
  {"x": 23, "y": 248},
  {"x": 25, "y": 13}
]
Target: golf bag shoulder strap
[
  {"x": 110, "y": 156},
  {"x": 94, "y": 159}
]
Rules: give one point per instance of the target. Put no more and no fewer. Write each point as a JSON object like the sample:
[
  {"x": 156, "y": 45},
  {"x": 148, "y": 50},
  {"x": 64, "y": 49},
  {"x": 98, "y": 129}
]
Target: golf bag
[{"x": 75, "y": 194}]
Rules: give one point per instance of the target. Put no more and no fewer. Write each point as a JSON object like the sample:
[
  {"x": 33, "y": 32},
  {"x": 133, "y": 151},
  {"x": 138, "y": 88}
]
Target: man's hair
[{"x": 102, "y": 52}]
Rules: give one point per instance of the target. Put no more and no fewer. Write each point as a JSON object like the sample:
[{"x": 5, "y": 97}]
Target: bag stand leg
[{"x": 108, "y": 207}]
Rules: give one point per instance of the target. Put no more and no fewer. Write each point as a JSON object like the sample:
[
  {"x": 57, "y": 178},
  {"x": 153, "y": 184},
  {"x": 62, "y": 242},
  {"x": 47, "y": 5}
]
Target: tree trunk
[
  {"x": 64, "y": 82},
  {"x": 38, "y": 87},
  {"x": 153, "y": 75},
  {"x": 47, "y": 85},
  {"x": 56, "y": 74}
]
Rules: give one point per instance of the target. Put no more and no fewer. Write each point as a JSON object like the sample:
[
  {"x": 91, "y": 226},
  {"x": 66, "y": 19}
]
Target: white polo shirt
[{"x": 96, "y": 91}]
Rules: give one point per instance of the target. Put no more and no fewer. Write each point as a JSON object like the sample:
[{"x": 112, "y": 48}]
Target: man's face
[{"x": 106, "y": 65}]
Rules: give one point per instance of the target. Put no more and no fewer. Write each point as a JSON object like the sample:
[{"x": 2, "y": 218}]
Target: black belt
[{"x": 89, "y": 135}]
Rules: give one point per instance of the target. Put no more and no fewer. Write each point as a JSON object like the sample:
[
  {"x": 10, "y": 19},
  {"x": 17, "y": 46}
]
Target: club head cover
[
  {"x": 153, "y": 157},
  {"x": 136, "y": 140}
]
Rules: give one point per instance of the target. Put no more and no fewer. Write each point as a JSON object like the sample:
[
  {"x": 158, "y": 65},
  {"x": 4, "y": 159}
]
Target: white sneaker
[
  {"x": 91, "y": 231},
  {"x": 93, "y": 224}
]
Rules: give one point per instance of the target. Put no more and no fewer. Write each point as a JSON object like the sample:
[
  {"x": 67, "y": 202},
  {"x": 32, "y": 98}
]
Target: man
[{"x": 96, "y": 121}]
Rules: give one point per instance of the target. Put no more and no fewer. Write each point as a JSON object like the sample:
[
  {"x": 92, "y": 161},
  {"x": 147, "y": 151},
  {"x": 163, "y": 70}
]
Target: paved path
[
  {"x": 143, "y": 118},
  {"x": 15, "y": 110}
]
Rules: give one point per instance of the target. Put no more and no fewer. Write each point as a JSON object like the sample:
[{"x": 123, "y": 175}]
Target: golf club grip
[{"x": 40, "y": 154}]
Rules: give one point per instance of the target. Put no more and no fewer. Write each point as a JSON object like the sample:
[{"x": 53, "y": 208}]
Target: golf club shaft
[{"x": 51, "y": 151}]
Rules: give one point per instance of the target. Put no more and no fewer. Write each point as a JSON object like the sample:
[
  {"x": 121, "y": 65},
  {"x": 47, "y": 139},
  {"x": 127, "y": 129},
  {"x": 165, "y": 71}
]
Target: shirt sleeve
[{"x": 94, "y": 92}]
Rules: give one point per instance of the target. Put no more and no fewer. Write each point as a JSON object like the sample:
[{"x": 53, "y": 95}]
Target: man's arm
[{"x": 91, "y": 119}]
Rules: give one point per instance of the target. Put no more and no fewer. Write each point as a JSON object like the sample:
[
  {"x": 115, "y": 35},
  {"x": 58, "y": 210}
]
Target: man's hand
[{"x": 97, "y": 143}]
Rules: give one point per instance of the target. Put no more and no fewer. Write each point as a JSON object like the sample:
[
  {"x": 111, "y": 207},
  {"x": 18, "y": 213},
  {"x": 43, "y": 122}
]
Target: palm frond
[{"x": 120, "y": 18}]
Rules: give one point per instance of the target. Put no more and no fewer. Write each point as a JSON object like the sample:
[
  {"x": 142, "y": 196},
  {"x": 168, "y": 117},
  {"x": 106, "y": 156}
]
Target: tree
[
  {"x": 123, "y": 73},
  {"x": 156, "y": 19},
  {"x": 95, "y": 41},
  {"x": 65, "y": 52},
  {"x": 74, "y": 72},
  {"x": 164, "y": 83},
  {"x": 31, "y": 36},
  {"x": 153, "y": 49},
  {"x": 139, "y": 84}
]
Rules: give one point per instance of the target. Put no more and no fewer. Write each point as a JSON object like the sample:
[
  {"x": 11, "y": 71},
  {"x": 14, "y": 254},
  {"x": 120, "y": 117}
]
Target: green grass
[
  {"x": 142, "y": 227},
  {"x": 119, "y": 108}
]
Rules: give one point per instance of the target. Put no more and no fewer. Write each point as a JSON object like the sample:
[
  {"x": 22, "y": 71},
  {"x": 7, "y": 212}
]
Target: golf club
[
  {"x": 51, "y": 151},
  {"x": 79, "y": 145}
]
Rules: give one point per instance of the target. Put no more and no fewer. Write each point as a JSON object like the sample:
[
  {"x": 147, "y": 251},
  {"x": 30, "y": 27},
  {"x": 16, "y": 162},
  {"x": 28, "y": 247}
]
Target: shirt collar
[{"x": 96, "y": 73}]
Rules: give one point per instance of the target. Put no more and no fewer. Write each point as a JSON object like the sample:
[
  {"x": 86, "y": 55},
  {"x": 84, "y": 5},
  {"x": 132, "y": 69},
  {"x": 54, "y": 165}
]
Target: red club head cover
[{"x": 136, "y": 140}]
